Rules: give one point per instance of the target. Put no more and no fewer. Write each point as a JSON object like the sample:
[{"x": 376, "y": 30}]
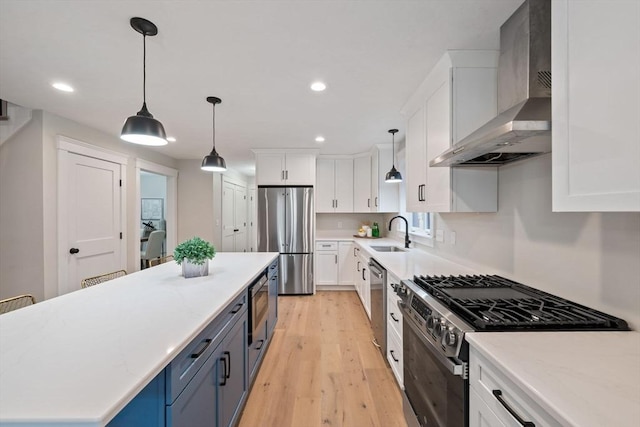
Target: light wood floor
[{"x": 322, "y": 369}]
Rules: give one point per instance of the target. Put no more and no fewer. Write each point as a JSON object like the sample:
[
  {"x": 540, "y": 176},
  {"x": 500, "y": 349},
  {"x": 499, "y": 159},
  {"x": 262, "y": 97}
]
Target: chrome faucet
[{"x": 406, "y": 229}]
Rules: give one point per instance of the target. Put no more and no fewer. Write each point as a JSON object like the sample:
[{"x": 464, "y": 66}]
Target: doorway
[{"x": 156, "y": 195}]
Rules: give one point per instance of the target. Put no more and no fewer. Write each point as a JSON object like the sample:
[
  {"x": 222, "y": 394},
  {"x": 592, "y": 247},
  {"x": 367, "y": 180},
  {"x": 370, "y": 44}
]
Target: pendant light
[
  {"x": 213, "y": 162},
  {"x": 393, "y": 175},
  {"x": 142, "y": 128}
]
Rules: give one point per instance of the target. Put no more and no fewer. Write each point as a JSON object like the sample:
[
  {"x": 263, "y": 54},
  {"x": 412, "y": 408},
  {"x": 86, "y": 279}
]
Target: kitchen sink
[{"x": 388, "y": 249}]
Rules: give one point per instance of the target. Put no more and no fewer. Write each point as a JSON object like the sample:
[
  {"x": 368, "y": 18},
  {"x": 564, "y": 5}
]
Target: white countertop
[
  {"x": 403, "y": 265},
  {"x": 583, "y": 379},
  {"x": 78, "y": 359}
]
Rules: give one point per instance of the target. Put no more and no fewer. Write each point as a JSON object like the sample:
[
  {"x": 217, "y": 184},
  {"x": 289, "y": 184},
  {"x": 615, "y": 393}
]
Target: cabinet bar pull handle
[
  {"x": 368, "y": 203},
  {"x": 261, "y": 344},
  {"x": 224, "y": 373},
  {"x": 287, "y": 174},
  {"x": 336, "y": 259},
  {"x": 393, "y": 356},
  {"x": 336, "y": 203},
  {"x": 394, "y": 317},
  {"x": 239, "y": 306},
  {"x": 354, "y": 252},
  {"x": 228, "y": 356},
  {"x": 498, "y": 395},
  {"x": 376, "y": 202},
  {"x": 363, "y": 270},
  {"x": 282, "y": 175},
  {"x": 197, "y": 354},
  {"x": 358, "y": 265}
]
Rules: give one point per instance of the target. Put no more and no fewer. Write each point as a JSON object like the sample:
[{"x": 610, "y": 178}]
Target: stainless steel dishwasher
[{"x": 378, "y": 282}]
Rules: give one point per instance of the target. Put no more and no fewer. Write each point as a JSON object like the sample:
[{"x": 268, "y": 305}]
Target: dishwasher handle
[{"x": 375, "y": 270}]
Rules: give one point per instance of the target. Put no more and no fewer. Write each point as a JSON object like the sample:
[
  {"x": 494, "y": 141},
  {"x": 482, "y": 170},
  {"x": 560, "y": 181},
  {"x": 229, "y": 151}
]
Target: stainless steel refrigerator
[{"x": 285, "y": 225}]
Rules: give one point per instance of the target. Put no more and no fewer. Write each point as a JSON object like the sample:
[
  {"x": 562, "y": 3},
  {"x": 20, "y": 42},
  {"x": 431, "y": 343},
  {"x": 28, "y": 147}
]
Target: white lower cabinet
[
  {"x": 480, "y": 415},
  {"x": 394, "y": 331},
  {"x": 494, "y": 400},
  {"x": 361, "y": 280},
  {"x": 335, "y": 263},
  {"x": 326, "y": 263},
  {"x": 345, "y": 263}
]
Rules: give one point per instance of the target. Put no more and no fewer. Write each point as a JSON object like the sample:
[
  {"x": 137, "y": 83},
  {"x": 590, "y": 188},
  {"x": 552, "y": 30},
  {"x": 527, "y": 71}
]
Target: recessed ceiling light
[
  {"x": 319, "y": 138},
  {"x": 63, "y": 87},
  {"x": 318, "y": 86},
  {"x": 171, "y": 139}
]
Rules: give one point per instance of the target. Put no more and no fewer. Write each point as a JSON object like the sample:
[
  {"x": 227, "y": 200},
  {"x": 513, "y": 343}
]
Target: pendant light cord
[
  {"x": 144, "y": 69},
  {"x": 214, "y": 127},
  {"x": 393, "y": 148}
]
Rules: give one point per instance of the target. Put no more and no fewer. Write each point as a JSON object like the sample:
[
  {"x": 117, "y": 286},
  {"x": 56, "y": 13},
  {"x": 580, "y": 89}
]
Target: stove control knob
[
  {"x": 441, "y": 326},
  {"x": 451, "y": 338},
  {"x": 431, "y": 321}
]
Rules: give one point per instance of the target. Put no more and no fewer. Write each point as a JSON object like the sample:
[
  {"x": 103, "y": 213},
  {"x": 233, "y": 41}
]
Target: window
[{"x": 420, "y": 224}]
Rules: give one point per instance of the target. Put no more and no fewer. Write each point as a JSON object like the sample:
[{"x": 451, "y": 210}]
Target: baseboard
[{"x": 335, "y": 288}]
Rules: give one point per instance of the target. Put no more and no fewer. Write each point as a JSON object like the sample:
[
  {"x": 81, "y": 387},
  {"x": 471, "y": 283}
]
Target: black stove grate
[{"x": 493, "y": 303}]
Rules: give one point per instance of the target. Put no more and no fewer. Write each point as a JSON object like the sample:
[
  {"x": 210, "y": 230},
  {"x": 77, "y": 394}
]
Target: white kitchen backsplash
[
  {"x": 590, "y": 258},
  {"x": 348, "y": 222}
]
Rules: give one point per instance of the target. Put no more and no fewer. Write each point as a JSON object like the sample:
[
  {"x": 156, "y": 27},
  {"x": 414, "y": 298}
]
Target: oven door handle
[{"x": 456, "y": 369}]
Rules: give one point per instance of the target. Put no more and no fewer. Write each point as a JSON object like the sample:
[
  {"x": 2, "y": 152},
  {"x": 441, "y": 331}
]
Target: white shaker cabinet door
[
  {"x": 300, "y": 169},
  {"x": 416, "y": 161},
  {"x": 325, "y": 187},
  {"x": 343, "y": 185},
  {"x": 362, "y": 184},
  {"x": 596, "y": 105},
  {"x": 270, "y": 169}
]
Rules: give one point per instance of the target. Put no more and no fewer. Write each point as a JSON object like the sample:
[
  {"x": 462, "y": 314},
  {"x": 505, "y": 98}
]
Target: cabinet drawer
[
  {"x": 256, "y": 349},
  {"x": 394, "y": 356},
  {"x": 184, "y": 366},
  {"x": 326, "y": 246},
  {"x": 487, "y": 380},
  {"x": 273, "y": 269},
  {"x": 394, "y": 315}
]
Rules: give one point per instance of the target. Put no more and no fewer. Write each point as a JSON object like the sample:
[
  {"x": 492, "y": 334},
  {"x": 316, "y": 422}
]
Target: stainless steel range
[{"x": 439, "y": 310}]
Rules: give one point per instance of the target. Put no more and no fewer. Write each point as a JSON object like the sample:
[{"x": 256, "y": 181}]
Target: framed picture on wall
[{"x": 152, "y": 208}]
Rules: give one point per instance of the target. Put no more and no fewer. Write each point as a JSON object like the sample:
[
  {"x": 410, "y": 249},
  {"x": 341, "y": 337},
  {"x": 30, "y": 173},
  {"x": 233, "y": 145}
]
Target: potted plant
[{"x": 193, "y": 255}]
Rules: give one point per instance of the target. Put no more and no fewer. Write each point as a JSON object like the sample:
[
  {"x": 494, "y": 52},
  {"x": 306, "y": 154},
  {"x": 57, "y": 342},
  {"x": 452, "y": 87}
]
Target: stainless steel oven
[
  {"x": 435, "y": 362},
  {"x": 436, "y": 387},
  {"x": 258, "y": 306}
]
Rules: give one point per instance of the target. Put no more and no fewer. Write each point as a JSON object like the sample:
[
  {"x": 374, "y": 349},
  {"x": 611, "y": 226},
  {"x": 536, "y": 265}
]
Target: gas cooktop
[{"x": 493, "y": 303}]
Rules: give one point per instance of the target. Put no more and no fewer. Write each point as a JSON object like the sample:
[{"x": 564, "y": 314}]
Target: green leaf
[{"x": 195, "y": 250}]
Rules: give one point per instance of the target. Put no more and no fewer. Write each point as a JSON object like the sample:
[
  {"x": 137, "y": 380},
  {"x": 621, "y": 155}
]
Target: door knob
[{"x": 74, "y": 250}]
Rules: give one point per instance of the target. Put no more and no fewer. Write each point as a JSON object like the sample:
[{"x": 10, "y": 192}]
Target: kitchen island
[{"x": 80, "y": 358}]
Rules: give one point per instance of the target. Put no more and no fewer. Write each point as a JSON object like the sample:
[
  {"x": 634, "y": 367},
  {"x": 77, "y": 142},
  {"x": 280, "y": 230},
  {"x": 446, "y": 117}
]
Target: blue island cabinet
[{"x": 205, "y": 385}]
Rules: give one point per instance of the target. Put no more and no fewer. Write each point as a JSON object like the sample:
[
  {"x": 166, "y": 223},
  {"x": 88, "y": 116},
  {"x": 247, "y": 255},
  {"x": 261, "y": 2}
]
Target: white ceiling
[{"x": 258, "y": 56}]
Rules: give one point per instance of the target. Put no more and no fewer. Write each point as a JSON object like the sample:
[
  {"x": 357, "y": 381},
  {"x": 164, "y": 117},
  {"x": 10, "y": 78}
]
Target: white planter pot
[{"x": 194, "y": 270}]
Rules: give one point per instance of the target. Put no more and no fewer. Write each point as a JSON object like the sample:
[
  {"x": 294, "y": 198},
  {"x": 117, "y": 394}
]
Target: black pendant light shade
[
  {"x": 142, "y": 128},
  {"x": 393, "y": 175},
  {"x": 213, "y": 162}
]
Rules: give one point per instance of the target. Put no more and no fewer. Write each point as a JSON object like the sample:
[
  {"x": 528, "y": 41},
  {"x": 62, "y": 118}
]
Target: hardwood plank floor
[{"x": 322, "y": 369}]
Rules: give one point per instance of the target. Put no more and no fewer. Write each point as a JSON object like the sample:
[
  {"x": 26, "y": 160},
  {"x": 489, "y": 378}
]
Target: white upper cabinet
[
  {"x": 595, "y": 57},
  {"x": 334, "y": 185},
  {"x": 415, "y": 179},
  {"x": 362, "y": 183},
  {"x": 458, "y": 96},
  {"x": 275, "y": 167},
  {"x": 384, "y": 195}
]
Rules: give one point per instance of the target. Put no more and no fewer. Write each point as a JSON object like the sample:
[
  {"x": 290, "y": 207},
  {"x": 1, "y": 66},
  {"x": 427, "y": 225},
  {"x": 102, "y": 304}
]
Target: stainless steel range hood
[{"x": 522, "y": 129}]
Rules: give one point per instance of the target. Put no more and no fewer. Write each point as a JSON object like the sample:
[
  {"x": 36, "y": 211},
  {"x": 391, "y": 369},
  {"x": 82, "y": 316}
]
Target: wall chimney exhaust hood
[{"x": 522, "y": 129}]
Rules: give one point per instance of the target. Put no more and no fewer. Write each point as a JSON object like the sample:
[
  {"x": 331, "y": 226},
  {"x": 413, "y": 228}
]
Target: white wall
[
  {"x": 195, "y": 202},
  {"x": 21, "y": 212},
  {"x": 590, "y": 258},
  {"x": 31, "y": 161}
]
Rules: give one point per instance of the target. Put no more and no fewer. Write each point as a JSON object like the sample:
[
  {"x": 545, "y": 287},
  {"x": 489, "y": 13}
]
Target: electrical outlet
[
  {"x": 339, "y": 224},
  {"x": 452, "y": 238},
  {"x": 440, "y": 236}
]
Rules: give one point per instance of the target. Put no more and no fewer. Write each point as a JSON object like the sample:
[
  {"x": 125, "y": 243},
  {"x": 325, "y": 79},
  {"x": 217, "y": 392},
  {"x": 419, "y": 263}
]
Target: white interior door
[
  {"x": 93, "y": 219},
  {"x": 228, "y": 217},
  {"x": 240, "y": 208}
]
